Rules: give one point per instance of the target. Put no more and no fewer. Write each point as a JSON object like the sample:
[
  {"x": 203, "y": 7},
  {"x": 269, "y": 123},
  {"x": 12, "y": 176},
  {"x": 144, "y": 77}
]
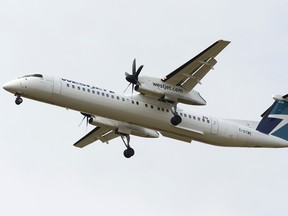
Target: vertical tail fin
[{"x": 275, "y": 118}]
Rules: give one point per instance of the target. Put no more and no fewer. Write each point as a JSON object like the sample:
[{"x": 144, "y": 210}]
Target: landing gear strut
[
  {"x": 176, "y": 119},
  {"x": 18, "y": 99},
  {"x": 129, "y": 152}
]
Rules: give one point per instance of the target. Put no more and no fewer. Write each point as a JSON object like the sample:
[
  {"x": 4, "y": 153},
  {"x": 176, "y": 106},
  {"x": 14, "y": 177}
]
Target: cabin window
[
  {"x": 190, "y": 116},
  {"x": 112, "y": 96},
  {"x": 194, "y": 117},
  {"x": 67, "y": 84},
  {"x": 93, "y": 92},
  {"x": 151, "y": 106},
  {"x": 137, "y": 102},
  {"x": 107, "y": 95},
  {"x": 83, "y": 89},
  {"x": 88, "y": 90},
  {"x": 78, "y": 87},
  {"x": 132, "y": 101},
  {"x": 185, "y": 115},
  {"x": 146, "y": 105},
  {"x": 123, "y": 99},
  {"x": 167, "y": 110},
  {"x": 199, "y": 119},
  {"x": 103, "y": 94},
  {"x": 73, "y": 86},
  {"x": 117, "y": 97},
  {"x": 98, "y": 93}
]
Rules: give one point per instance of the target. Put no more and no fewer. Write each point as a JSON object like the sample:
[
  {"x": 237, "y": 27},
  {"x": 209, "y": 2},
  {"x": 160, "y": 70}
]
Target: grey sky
[{"x": 94, "y": 42}]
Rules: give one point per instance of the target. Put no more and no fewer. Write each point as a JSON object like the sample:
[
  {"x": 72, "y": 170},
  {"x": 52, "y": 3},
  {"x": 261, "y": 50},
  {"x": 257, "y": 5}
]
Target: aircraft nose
[{"x": 11, "y": 86}]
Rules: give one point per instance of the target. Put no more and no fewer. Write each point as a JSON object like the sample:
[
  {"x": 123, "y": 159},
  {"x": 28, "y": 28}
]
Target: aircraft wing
[
  {"x": 190, "y": 74},
  {"x": 98, "y": 133}
]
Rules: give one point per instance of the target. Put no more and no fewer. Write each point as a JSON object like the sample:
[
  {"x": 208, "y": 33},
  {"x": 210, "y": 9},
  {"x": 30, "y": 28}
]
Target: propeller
[
  {"x": 87, "y": 117},
  {"x": 133, "y": 78}
]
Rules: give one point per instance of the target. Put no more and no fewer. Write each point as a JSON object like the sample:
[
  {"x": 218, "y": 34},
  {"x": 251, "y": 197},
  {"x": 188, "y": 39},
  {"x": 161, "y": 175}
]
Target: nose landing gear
[
  {"x": 129, "y": 152},
  {"x": 18, "y": 99}
]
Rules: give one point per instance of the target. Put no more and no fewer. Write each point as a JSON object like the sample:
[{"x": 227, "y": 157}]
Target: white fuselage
[{"x": 142, "y": 111}]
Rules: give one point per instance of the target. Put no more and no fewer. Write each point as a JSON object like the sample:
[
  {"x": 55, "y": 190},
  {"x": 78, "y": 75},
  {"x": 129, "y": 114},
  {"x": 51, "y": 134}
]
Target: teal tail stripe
[{"x": 282, "y": 132}]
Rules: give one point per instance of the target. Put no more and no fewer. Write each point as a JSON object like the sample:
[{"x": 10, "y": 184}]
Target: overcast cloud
[{"x": 94, "y": 42}]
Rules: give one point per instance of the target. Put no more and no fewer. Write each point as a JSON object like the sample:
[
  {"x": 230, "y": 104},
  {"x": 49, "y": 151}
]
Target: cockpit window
[{"x": 34, "y": 75}]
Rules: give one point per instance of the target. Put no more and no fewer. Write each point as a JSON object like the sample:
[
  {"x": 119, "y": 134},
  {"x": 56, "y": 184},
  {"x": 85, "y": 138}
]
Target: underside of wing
[
  {"x": 98, "y": 133},
  {"x": 176, "y": 136},
  {"x": 191, "y": 73}
]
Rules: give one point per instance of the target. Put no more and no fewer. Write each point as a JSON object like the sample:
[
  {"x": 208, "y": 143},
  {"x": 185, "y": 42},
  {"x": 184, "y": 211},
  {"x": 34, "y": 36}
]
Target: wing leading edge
[{"x": 190, "y": 74}]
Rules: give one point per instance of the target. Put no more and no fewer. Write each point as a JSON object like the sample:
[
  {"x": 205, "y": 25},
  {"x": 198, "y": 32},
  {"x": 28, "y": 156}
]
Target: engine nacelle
[
  {"x": 192, "y": 98},
  {"x": 155, "y": 87},
  {"x": 148, "y": 91},
  {"x": 123, "y": 127}
]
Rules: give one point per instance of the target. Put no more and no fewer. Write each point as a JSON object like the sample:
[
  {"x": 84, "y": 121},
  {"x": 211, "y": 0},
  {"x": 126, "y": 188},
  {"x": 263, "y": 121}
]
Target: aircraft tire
[
  {"x": 18, "y": 100},
  {"x": 129, "y": 152},
  {"x": 175, "y": 120}
]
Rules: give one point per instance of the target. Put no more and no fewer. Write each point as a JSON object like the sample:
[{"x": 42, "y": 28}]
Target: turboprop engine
[
  {"x": 123, "y": 127},
  {"x": 156, "y": 87}
]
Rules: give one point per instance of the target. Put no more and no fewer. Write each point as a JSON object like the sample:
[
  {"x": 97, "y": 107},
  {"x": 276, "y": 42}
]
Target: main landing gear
[
  {"x": 18, "y": 99},
  {"x": 129, "y": 152},
  {"x": 176, "y": 119}
]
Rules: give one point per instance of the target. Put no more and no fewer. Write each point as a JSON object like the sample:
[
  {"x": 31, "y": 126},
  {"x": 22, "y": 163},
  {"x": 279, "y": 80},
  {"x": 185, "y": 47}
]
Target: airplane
[{"x": 152, "y": 110}]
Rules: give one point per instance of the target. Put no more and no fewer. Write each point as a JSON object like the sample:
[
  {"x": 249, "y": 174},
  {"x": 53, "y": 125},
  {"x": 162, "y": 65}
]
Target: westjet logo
[{"x": 167, "y": 87}]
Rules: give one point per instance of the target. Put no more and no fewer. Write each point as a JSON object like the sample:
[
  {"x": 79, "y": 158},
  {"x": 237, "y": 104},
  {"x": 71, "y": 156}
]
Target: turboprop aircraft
[{"x": 153, "y": 110}]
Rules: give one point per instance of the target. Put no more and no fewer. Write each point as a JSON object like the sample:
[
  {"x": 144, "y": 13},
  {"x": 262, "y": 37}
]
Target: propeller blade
[
  {"x": 82, "y": 121},
  {"x": 86, "y": 116},
  {"x": 138, "y": 72},
  {"x": 133, "y": 78},
  {"x": 87, "y": 121},
  {"x": 134, "y": 67},
  {"x": 127, "y": 87}
]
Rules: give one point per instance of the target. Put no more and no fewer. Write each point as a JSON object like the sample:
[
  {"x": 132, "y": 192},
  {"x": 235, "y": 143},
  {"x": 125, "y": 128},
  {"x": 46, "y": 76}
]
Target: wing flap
[
  {"x": 108, "y": 136},
  {"x": 179, "y": 76},
  {"x": 194, "y": 79},
  {"x": 98, "y": 133}
]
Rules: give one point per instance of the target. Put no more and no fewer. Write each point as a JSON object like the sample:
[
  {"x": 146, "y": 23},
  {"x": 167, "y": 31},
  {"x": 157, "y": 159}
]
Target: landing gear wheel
[
  {"x": 18, "y": 100},
  {"x": 129, "y": 152},
  {"x": 175, "y": 120}
]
